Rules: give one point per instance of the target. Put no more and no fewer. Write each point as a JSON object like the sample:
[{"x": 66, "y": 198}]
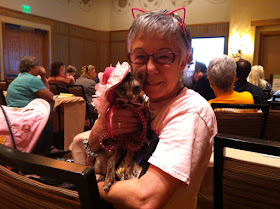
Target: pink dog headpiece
[{"x": 112, "y": 77}]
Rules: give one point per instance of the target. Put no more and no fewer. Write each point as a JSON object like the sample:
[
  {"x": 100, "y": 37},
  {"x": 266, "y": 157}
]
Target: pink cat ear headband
[{"x": 169, "y": 13}]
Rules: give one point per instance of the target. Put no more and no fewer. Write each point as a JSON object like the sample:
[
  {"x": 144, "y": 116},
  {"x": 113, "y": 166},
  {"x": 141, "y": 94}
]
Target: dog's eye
[
  {"x": 136, "y": 90},
  {"x": 122, "y": 89}
]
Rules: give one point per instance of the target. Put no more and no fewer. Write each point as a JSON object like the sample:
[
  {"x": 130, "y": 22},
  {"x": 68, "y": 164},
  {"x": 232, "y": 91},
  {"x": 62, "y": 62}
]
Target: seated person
[
  {"x": 25, "y": 88},
  {"x": 71, "y": 71},
  {"x": 87, "y": 80},
  {"x": 58, "y": 75},
  {"x": 256, "y": 77},
  {"x": 221, "y": 75},
  {"x": 243, "y": 68},
  {"x": 159, "y": 45},
  {"x": 195, "y": 77}
]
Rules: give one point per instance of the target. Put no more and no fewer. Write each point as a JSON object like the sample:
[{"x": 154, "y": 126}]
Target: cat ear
[
  {"x": 184, "y": 16},
  {"x": 134, "y": 8}
]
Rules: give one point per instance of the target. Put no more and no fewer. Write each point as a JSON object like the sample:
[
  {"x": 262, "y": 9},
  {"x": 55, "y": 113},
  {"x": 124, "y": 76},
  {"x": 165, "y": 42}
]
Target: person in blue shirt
[{"x": 28, "y": 86}]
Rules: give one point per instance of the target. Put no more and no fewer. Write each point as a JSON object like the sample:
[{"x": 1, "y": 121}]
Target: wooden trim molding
[{"x": 267, "y": 22}]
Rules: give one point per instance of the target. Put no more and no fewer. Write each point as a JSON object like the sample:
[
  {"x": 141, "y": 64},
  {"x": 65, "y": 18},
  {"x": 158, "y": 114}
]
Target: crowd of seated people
[
  {"x": 58, "y": 75},
  {"x": 221, "y": 74}
]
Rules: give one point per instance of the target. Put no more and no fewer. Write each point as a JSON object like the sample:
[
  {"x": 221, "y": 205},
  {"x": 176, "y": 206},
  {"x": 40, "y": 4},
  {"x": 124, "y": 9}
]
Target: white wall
[
  {"x": 96, "y": 17},
  {"x": 198, "y": 11},
  {"x": 110, "y": 15}
]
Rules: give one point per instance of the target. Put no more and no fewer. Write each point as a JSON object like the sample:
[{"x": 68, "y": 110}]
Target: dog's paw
[
  {"x": 107, "y": 187},
  {"x": 99, "y": 178}
]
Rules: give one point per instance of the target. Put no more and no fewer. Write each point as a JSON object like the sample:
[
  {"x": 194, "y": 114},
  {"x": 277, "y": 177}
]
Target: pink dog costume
[
  {"x": 105, "y": 104},
  {"x": 27, "y": 124}
]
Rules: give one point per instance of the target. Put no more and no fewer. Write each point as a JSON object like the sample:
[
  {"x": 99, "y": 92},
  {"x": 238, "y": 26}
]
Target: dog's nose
[{"x": 129, "y": 97}]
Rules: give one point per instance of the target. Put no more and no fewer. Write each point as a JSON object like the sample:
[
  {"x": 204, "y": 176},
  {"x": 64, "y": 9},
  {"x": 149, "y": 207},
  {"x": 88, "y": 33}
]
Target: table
[
  {"x": 205, "y": 197},
  {"x": 74, "y": 109}
]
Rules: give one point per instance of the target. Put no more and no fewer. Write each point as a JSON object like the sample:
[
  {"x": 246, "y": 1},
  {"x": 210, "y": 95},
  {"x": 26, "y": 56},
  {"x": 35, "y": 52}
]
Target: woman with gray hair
[
  {"x": 221, "y": 75},
  {"x": 173, "y": 162}
]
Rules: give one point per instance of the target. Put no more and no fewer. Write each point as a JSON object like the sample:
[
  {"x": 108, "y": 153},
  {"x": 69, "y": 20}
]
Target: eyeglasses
[{"x": 161, "y": 57}]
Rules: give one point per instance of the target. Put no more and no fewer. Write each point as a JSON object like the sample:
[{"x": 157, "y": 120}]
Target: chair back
[
  {"x": 252, "y": 124},
  {"x": 2, "y": 98},
  {"x": 54, "y": 88},
  {"x": 272, "y": 125},
  {"x": 9, "y": 80},
  {"x": 18, "y": 191},
  {"x": 3, "y": 85},
  {"x": 267, "y": 93},
  {"x": 239, "y": 183},
  {"x": 77, "y": 90}
]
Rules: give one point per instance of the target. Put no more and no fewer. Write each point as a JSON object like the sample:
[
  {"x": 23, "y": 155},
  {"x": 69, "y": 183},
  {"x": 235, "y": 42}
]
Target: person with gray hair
[
  {"x": 27, "y": 86},
  {"x": 182, "y": 123},
  {"x": 221, "y": 75}
]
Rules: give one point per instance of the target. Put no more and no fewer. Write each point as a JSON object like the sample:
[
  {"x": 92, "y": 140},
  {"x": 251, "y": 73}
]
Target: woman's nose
[{"x": 151, "y": 65}]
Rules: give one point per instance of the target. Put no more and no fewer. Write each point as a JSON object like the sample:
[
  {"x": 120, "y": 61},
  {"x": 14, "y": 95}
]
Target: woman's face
[
  {"x": 62, "y": 69},
  {"x": 160, "y": 81},
  {"x": 92, "y": 74},
  {"x": 35, "y": 70}
]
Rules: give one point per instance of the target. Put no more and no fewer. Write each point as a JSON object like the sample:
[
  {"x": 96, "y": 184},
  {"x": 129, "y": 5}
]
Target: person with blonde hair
[
  {"x": 87, "y": 80},
  {"x": 256, "y": 77}
]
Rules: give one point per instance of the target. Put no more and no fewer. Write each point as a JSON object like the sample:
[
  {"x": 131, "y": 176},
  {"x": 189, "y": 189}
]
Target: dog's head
[{"x": 129, "y": 90}]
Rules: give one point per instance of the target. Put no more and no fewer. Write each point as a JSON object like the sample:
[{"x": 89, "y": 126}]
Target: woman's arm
[
  {"x": 152, "y": 190},
  {"x": 45, "y": 93}
]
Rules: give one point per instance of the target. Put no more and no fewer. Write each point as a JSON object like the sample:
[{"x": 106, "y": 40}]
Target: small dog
[{"x": 128, "y": 93}]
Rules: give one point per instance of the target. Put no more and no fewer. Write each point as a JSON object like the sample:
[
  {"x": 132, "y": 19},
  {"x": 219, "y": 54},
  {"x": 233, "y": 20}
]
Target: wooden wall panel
[
  {"x": 118, "y": 36},
  {"x": 20, "y": 42},
  {"x": 104, "y": 36},
  {"x": 118, "y": 52},
  {"x": 76, "y": 31},
  {"x": 76, "y": 52},
  {"x": 61, "y": 48},
  {"x": 90, "y": 52},
  {"x": 104, "y": 60},
  {"x": 61, "y": 28},
  {"x": 90, "y": 34},
  {"x": 198, "y": 30},
  {"x": 217, "y": 30},
  {"x": 270, "y": 54}
]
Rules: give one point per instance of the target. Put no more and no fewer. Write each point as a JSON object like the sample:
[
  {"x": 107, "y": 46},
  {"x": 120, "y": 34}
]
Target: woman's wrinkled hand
[{"x": 125, "y": 121}]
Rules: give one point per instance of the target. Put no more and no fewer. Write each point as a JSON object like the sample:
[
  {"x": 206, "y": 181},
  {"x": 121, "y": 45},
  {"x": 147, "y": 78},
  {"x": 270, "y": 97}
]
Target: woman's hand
[
  {"x": 42, "y": 72},
  {"x": 125, "y": 121}
]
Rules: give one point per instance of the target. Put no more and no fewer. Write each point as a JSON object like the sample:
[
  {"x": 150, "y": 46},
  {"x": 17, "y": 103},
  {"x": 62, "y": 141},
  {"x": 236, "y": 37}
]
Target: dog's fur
[{"x": 129, "y": 91}]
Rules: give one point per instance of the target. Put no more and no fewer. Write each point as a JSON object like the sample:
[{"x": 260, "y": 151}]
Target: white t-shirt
[{"x": 186, "y": 126}]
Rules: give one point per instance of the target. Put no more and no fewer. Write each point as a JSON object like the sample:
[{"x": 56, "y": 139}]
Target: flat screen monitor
[{"x": 207, "y": 48}]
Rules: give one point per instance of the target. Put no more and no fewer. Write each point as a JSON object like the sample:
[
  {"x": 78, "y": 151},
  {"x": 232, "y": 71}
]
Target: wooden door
[
  {"x": 269, "y": 54},
  {"x": 18, "y": 42}
]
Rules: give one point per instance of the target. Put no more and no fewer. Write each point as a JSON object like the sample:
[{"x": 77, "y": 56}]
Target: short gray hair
[
  {"x": 26, "y": 63},
  {"x": 163, "y": 25},
  {"x": 222, "y": 71}
]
